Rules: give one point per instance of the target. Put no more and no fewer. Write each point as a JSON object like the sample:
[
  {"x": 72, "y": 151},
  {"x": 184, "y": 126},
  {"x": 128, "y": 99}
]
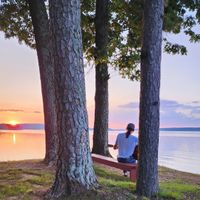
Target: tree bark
[
  {"x": 74, "y": 172},
  {"x": 100, "y": 137},
  {"x": 40, "y": 23},
  {"x": 147, "y": 182}
]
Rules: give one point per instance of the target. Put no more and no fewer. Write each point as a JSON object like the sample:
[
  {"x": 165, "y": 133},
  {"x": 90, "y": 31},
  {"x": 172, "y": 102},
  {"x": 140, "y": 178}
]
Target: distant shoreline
[{"x": 38, "y": 126}]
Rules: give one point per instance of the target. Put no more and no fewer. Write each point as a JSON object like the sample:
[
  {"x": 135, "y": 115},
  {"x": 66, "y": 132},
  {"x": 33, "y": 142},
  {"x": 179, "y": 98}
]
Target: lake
[{"x": 177, "y": 149}]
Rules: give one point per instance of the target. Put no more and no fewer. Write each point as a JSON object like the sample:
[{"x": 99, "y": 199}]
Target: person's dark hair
[
  {"x": 127, "y": 134},
  {"x": 130, "y": 127}
]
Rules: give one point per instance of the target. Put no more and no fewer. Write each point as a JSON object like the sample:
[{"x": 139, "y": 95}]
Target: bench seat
[{"x": 132, "y": 168}]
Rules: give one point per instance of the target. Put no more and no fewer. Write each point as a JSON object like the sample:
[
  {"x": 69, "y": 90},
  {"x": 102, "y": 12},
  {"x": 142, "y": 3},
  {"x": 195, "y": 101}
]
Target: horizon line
[{"x": 42, "y": 124}]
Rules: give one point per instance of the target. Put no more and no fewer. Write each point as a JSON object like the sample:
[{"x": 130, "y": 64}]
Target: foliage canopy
[{"x": 125, "y": 29}]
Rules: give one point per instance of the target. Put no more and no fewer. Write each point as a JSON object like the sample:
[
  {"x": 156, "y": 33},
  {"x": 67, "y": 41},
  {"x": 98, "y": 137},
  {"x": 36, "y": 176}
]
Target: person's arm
[
  {"x": 116, "y": 144},
  {"x": 136, "y": 141},
  {"x": 136, "y": 152}
]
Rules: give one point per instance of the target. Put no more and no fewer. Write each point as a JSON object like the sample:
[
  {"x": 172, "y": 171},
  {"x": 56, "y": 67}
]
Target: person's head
[{"x": 130, "y": 127}]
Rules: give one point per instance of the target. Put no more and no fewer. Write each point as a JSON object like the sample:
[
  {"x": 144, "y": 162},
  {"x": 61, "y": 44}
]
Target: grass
[
  {"x": 178, "y": 190},
  {"x": 11, "y": 174},
  {"x": 27, "y": 182},
  {"x": 17, "y": 189}
]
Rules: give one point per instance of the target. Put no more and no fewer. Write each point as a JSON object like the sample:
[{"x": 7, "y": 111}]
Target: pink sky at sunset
[{"x": 20, "y": 95}]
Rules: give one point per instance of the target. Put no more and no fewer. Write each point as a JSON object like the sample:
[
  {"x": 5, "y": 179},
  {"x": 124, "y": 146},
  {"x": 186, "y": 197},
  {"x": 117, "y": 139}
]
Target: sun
[{"x": 13, "y": 122}]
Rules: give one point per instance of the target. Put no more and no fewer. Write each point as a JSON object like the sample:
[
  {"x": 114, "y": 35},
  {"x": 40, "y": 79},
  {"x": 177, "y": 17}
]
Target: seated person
[{"x": 126, "y": 143}]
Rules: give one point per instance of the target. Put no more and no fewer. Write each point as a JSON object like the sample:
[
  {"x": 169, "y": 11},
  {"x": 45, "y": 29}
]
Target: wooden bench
[{"x": 132, "y": 168}]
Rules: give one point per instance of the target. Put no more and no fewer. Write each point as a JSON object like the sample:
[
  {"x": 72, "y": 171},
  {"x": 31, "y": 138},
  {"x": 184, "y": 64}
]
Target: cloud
[
  {"x": 18, "y": 110},
  {"x": 167, "y": 104},
  {"x": 195, "y": 102},
  {"x": 187, "y": 109},
  {"x": 11, "y": 110},
  {"x": 134, "y": 105},
  {"x": 37, "y": 112},
  {"x": 171, "y": 103},
  {"x": 174, "y": 113}
]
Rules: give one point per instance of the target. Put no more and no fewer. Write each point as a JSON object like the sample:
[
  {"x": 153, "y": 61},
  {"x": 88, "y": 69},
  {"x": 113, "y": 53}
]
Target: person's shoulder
[
  {"x": 120, "y": 134},
  {"x": 134, "y": 137}
]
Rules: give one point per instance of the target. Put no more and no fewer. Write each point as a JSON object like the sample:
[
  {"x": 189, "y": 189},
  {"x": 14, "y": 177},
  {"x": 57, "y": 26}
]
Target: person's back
[{"x": 126, "y": 145}]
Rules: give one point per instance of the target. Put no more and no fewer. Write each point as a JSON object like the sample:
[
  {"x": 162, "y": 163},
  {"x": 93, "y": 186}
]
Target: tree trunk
[
  {"x": 147, "y": 182},
  {"x": 44, "y": 46},
  {"x": 74, "y": 172},
  {"x": 100, "y": 137}
]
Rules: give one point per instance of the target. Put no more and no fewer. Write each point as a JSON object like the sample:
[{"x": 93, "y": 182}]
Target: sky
[{"x": 21, "y": 100}]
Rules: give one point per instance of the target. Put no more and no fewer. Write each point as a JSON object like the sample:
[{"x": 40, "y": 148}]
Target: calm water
[{"x": 177, "y": 149}]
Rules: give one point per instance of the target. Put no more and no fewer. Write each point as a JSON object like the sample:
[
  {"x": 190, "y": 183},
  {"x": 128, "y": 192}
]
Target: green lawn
[{"x": 31, "y": 179}]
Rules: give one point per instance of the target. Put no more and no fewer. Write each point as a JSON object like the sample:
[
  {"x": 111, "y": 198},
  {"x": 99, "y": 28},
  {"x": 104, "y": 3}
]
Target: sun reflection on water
[{"x": 14, "y": 138}]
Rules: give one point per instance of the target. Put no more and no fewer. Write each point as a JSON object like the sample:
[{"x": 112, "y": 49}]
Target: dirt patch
[
  {"x": 25, "y": 164},
  {"x": 166, "y": 174}
]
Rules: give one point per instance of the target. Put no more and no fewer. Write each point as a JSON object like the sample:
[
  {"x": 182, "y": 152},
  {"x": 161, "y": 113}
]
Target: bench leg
[{"x": 133, "y": 175}]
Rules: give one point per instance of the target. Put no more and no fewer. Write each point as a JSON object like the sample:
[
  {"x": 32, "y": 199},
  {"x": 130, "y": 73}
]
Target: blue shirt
[{"x": 125, "y": 145}]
